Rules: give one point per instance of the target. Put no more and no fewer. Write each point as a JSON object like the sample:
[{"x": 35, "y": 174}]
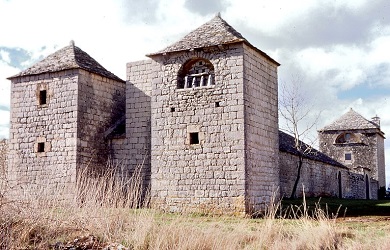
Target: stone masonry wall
[
  {"x": 209, "y": 175},
  {"x": 138, "y": 116},
  {"x": 364, "y": 154},
  {"x": 321, "y": 179},
  {"x": 261, "y": 127},
  {"x": 317, "y": 178},
  {"x": 381, "y": 161},
  {"x": 101, "y": 103},
  {"x": 51, "y": 126}
]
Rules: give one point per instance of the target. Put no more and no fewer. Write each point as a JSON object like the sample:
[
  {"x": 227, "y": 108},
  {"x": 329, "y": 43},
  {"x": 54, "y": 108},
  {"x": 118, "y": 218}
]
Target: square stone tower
[
  {"x": 214, "y": 121},
  {"x": 60, "y": 109},
  {"x": 357, "y": 143}
]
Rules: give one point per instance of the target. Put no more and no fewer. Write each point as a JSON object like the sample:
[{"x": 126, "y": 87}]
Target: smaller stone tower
[
  {"x": 60, "y": 109},
  {"x": 357, "y": 143}
]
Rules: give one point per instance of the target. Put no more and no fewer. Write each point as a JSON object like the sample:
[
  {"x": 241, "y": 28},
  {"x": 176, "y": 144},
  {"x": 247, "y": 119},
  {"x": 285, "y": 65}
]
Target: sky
[{"x": 338, "y": 49}]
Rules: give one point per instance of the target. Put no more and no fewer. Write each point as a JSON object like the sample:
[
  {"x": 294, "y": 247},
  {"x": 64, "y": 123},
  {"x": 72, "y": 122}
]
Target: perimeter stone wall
[
  {"x": 209, "y": 175},
  {"x": 51, "y": 126},
  {"x": 261, "y": 127},
  {"x": 322, "y": 179}
]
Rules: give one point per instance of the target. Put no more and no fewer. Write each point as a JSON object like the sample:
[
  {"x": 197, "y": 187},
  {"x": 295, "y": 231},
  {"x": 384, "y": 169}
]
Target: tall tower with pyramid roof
[
  {"x": 60, "y": 109},
  {"x": 358, "y": 143},
  {"x": 213, "y": 122}
]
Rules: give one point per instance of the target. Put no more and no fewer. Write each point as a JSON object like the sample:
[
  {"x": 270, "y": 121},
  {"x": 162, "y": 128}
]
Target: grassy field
[
  {"x": 97, "y": 226},
  {"x": 108, "y": 219}
]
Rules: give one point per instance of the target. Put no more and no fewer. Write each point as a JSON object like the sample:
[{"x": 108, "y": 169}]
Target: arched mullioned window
[
  {"x": 196, "y": 72},
  {"x": 347, "y": 138}
]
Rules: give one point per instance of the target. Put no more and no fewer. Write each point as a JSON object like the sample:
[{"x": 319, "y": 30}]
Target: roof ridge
[
  {"x": 351, "y": 120},
  {"x": 194, "y": 40},
  {"x": 68, "y": 57}
]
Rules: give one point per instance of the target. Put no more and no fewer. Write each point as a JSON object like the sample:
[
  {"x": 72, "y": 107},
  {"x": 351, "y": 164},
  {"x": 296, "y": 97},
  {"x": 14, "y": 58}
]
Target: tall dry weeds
[{"x": 112, "y": 210}]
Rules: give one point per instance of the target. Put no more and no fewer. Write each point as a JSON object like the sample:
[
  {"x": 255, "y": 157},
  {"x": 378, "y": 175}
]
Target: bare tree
[{"x": 297, "y": 113}]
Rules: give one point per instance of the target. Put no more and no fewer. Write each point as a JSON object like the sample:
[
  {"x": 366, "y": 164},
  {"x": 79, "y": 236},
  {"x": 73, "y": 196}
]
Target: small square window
[
  {"x": 348, "y": 156},
  {"x": 41, "y": 147},
  {"x": 217, "y": 104},
  {"x": 172, "y": 109},
  {"x": 194, "y": 138},
  {"x": 42, "y": 97}
]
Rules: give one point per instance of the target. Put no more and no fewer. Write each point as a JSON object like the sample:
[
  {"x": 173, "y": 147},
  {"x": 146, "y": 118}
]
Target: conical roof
[
  {"x": 70, "y": 57},
  {"x": 215, "y": 32},
  {"x": 349, "y": 121}
]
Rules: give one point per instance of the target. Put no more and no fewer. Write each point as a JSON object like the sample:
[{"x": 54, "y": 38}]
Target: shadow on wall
[{"x": 129, "y": 141}]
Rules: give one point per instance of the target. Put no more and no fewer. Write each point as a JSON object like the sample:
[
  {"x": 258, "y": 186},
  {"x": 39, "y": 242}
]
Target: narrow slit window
[
  {"x": 42, "y": 97},
  {"x": 194, "y": 138},
  {"x": 41, "y": 147}
]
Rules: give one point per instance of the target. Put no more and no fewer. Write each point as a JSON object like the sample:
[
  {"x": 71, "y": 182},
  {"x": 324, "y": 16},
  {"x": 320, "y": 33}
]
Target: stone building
[
  {"x": 199, "y": 119},
  {"x": 60, "y": 108},
  {"x": 357, "y": 143}
]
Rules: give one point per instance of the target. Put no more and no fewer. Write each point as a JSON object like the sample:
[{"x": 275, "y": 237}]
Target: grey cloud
[
  {"x": 17, "y": 56},
  {"x": 205, "y": 7},
  {"x": 140, "y": 11},
  {"x": 326, "y": 25}
]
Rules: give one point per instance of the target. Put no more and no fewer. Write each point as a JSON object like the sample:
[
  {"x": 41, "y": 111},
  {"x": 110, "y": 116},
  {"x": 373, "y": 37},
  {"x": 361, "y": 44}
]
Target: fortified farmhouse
[{"x": 199, "y": 119}]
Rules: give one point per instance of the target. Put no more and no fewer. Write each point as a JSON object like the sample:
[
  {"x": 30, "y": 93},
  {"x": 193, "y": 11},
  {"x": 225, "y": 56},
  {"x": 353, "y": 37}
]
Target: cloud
[
  {"x": 206, "y": 7},
  {"x": 140, "y": 11}
]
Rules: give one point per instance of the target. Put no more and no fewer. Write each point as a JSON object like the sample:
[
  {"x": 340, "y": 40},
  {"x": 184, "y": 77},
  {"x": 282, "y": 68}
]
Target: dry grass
[{"x": 111, "y": 210}]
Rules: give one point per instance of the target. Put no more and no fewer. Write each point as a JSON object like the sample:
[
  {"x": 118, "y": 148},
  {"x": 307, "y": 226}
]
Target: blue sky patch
[{"x": 17, "y": 56}]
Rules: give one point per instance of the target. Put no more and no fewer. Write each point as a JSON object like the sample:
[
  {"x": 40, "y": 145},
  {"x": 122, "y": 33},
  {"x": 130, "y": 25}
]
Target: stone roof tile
[
  {"x": 70, "y": 57},
  {"x": 351, "y": 120},
  {"x": 287, "y": 142},
  {"x": 213, "y": 33}
]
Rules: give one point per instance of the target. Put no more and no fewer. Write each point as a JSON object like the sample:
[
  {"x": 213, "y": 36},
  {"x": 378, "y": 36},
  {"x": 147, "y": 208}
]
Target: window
[
  {"x": 172, "y": 109},
  {"x": 41, "y": 147},
  {"x": 348, "y": 156},
  {"x": 42, "y": 97},
  {"x": 217, "y": 104},
  {"x": 347, "y": 138},
  {"x": 194, "y": 138},
  {"x": 196, "y": 73}
]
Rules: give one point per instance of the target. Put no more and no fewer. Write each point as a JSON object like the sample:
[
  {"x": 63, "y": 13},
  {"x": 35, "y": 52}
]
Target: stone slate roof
[
  {"x": 70, "y": 57},
  {"x": 215, "y": 32},
  {"x": 287, "y": 142},
  {"x": 351, "y": 121}
]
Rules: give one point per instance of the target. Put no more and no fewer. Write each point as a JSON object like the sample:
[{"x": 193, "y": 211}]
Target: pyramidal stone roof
[
  {"x": 351, "y": 120},
  {"x": 213, "y": 33},
  {"x": 70, "y": 57}
]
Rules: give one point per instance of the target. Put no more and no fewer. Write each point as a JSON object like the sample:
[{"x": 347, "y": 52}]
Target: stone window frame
[
  {"x": 197, "y": 72},
  {"x": 39, "y": 142},
  {"x": 42, "y": 95},
  {"x": 194, "y": 129},
  {"x": 347, "y": 138},
  {"x": 348, "y": 161}
]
